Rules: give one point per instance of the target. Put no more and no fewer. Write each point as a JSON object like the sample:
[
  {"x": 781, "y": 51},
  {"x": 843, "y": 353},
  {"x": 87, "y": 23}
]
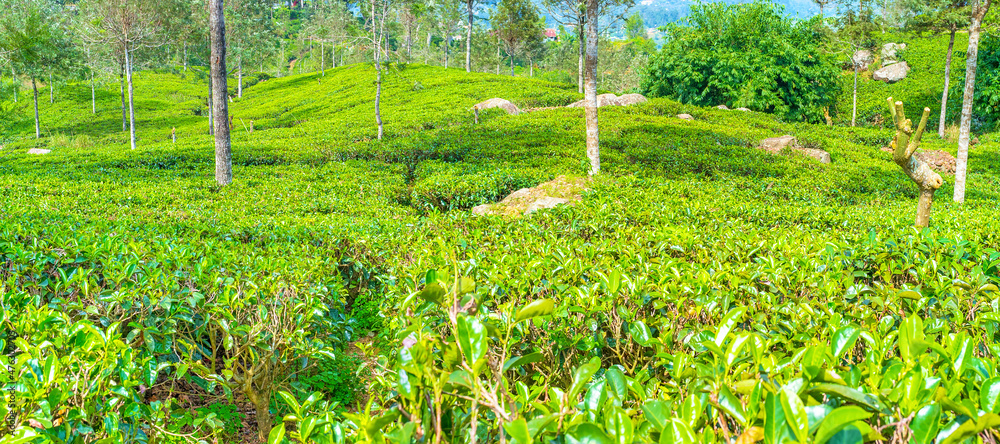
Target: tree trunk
[
  {"x": 468, "y": 38},
  {"x": 854, "y": 99},
  {"x": 377, "y": 38},
  {"x": 498, "y": 58},
  {"x": 131, "y": 100},
  {"x": 220, "y": 122},
  {"x": 211, "y": 121},
  {"x": 447, "y": 45},
  {"x": 428, "y": 51},
  {"x": 409, "y": 41},
  {"x": 93, "y": 96},
  {"x": 333, "y": 53},
  {"x": 239, "y": 77},
  {"x": 322, "y": 57},
  {"x": 979, "y": 10},
  {"x": 905, "y": 143},
  {"x": 121, "y": 84},
  {"x": 590, "y": 92},
  {"x": 511, "y": 65},
  {"x": 531, "y": 69},
  {"x": 947, "y": 80},
  {"x": 13, "y": 83},
  {"x": 580, "y": 63},
  {"x": 38, "y": 128},
  {"x": 185, "y": 55},
  {"x": 52, "y": 97}
]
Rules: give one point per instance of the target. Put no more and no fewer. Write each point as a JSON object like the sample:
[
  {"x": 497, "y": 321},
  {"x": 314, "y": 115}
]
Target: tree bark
[
  {"x": 468, "y": 38},
  {"x": 38, "y": 128},
  {"x": 211, "y": 121},
  {"x": 512, "y": 66},
  {"x": 185, "y": 55},
  {"x": 121, "y": 84},
  {"x": 220, "y": 123},
  {"x": 322, "y": 57},
  {"x": 93, "y": 95},
  {"x": 531, "y": 69},
  {"x": 979, "y": 10},
  {"x": 580, "y": 63},
  {"x": 905, "y": 143},
  {"x": 427, "y": 52},
  {"x": 131, "y": 95},
  {"x": 947, "y": 80},
  {"x": 447, "y": 45},
  {"x": 377, "y": 38},
  {"x": 52, "y": 97},
  {"x": 590, "y": 91},
  {"x": 239, "y": 77},
  {"x": 13, "y": 83}
]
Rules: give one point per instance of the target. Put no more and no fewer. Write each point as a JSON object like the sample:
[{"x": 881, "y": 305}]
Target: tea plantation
[{"x": 340, "y": 290}]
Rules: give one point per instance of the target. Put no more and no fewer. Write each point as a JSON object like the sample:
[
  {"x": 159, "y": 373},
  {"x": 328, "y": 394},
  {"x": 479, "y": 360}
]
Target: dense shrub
[{"x": 745, "y": 55}]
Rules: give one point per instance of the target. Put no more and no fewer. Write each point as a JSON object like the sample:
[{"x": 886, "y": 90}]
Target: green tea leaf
[
  {"x": 837, "y": 420},
  {"x": 541, "y": 307}
]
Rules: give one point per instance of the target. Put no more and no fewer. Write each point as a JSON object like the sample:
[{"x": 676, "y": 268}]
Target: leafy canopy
[{"x": 747, "y": 55}]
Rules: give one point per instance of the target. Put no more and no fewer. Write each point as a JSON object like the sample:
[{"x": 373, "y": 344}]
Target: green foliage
[
  {"x": 335, "y": 377},
  {"x": 227, "y": 414},
  {"x": 746, "y": 55},
  {"x": 698, "y": 280},
  {"x": 986, "y": 97}
]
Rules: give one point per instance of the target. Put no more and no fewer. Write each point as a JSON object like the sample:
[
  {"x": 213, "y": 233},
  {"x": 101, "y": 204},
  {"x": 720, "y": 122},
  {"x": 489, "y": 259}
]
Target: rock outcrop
[
  {"x": 562, "y": 190},
  {"x": 892, "y": 73},
  {"x": 503, "y": 104},
  {"x": 631, "y": 99},
  {"x": 685, "y": 116},
  {"x": 775, "y": 145},
  {"x": 862, "y": 58}
]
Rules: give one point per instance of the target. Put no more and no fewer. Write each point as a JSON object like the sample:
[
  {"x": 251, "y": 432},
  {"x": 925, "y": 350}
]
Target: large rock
[
  {"x": 890, "y": 51},
  {"x": 723, "y": 107},
  {"x": 602, "y": 100},
  {"x": 503, "y": 104},
  {"x": 39, "y": 151},
  {"x": 631, "y": 99},
  {"x": 862, "y": 58},
  {"x": 562, "y": 190},
  {"x": 743, "y": 109},
  {"x": 775, "y": 145},
  {"x": 544, "y": 203},
  {"x": 892, "y": 73},
  {"x": 685, "y": 116}
]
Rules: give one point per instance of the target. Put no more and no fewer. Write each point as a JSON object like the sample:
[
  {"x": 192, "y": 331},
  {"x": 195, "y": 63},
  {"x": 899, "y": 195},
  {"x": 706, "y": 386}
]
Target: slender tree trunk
[
  {"x": 131, "y": 97},
  {"x": 239, "y": 77},
  {"x": 377, "y": 38},
  {"x": 427, "y": 52},
  {"x": 947, "y": 80},
  {"x": 580, "y": 64},
  {"x": 333, "y": 53},
  {"x": 93, "y": 95},
  {"x": 121, "y": 84},
  {"x": 590, "y": 92},
  {"x": 52, "y": 97},
  {"x": 511, "y": 65},
  {"x": 531, "y": 69},
  {"x": 38, "y": 128},
  {"x": 185, "y": 55},
  {"x": 854, "y": 103},
  {"x": 13, "y": 84},
  {"x": 322, "y": 57},
  {"x": 979, "y": 10},
  {"x": 447, "y": 46},
  {"x": 220, "y": 116},
  {"x": 409, "y": 41},
  {"x": 468, "y": 38},
  {"x": 498, "y": 58},
  {"x": 211, "y": 106}
]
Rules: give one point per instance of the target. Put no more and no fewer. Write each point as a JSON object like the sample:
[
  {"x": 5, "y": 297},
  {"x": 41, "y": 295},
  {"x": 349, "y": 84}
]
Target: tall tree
[
  {"x": 128, "y": 26},
  {"x": 376, "y": 14},
  {"x": 937, "y": 16},
  {"x": 590, "y": 89},
  {"x": 979, "y": 10},
  {"x": 251, "y": 35},
  {"x": 33, "y": 37},
  {"x": 449, "y": 16},
  {"x": 517, "y": 25},
  {"x": 220, "y": 122},
  {"x": 573, "y": 13},
  {"x": 470, "y": 9}
]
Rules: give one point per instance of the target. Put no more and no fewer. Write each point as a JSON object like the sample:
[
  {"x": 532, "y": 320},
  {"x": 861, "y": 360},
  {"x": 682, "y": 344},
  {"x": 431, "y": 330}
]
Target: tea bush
[{"x": 702, "y": 290}]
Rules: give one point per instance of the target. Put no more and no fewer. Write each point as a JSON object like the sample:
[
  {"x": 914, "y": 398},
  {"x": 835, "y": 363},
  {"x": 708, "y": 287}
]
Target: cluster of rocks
[
  {"x": 775, "y": 145},
  {"x": 938, "y": 160},
  {"x": 560, "y": 191},
  {"x": 892, "y": 69}
]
